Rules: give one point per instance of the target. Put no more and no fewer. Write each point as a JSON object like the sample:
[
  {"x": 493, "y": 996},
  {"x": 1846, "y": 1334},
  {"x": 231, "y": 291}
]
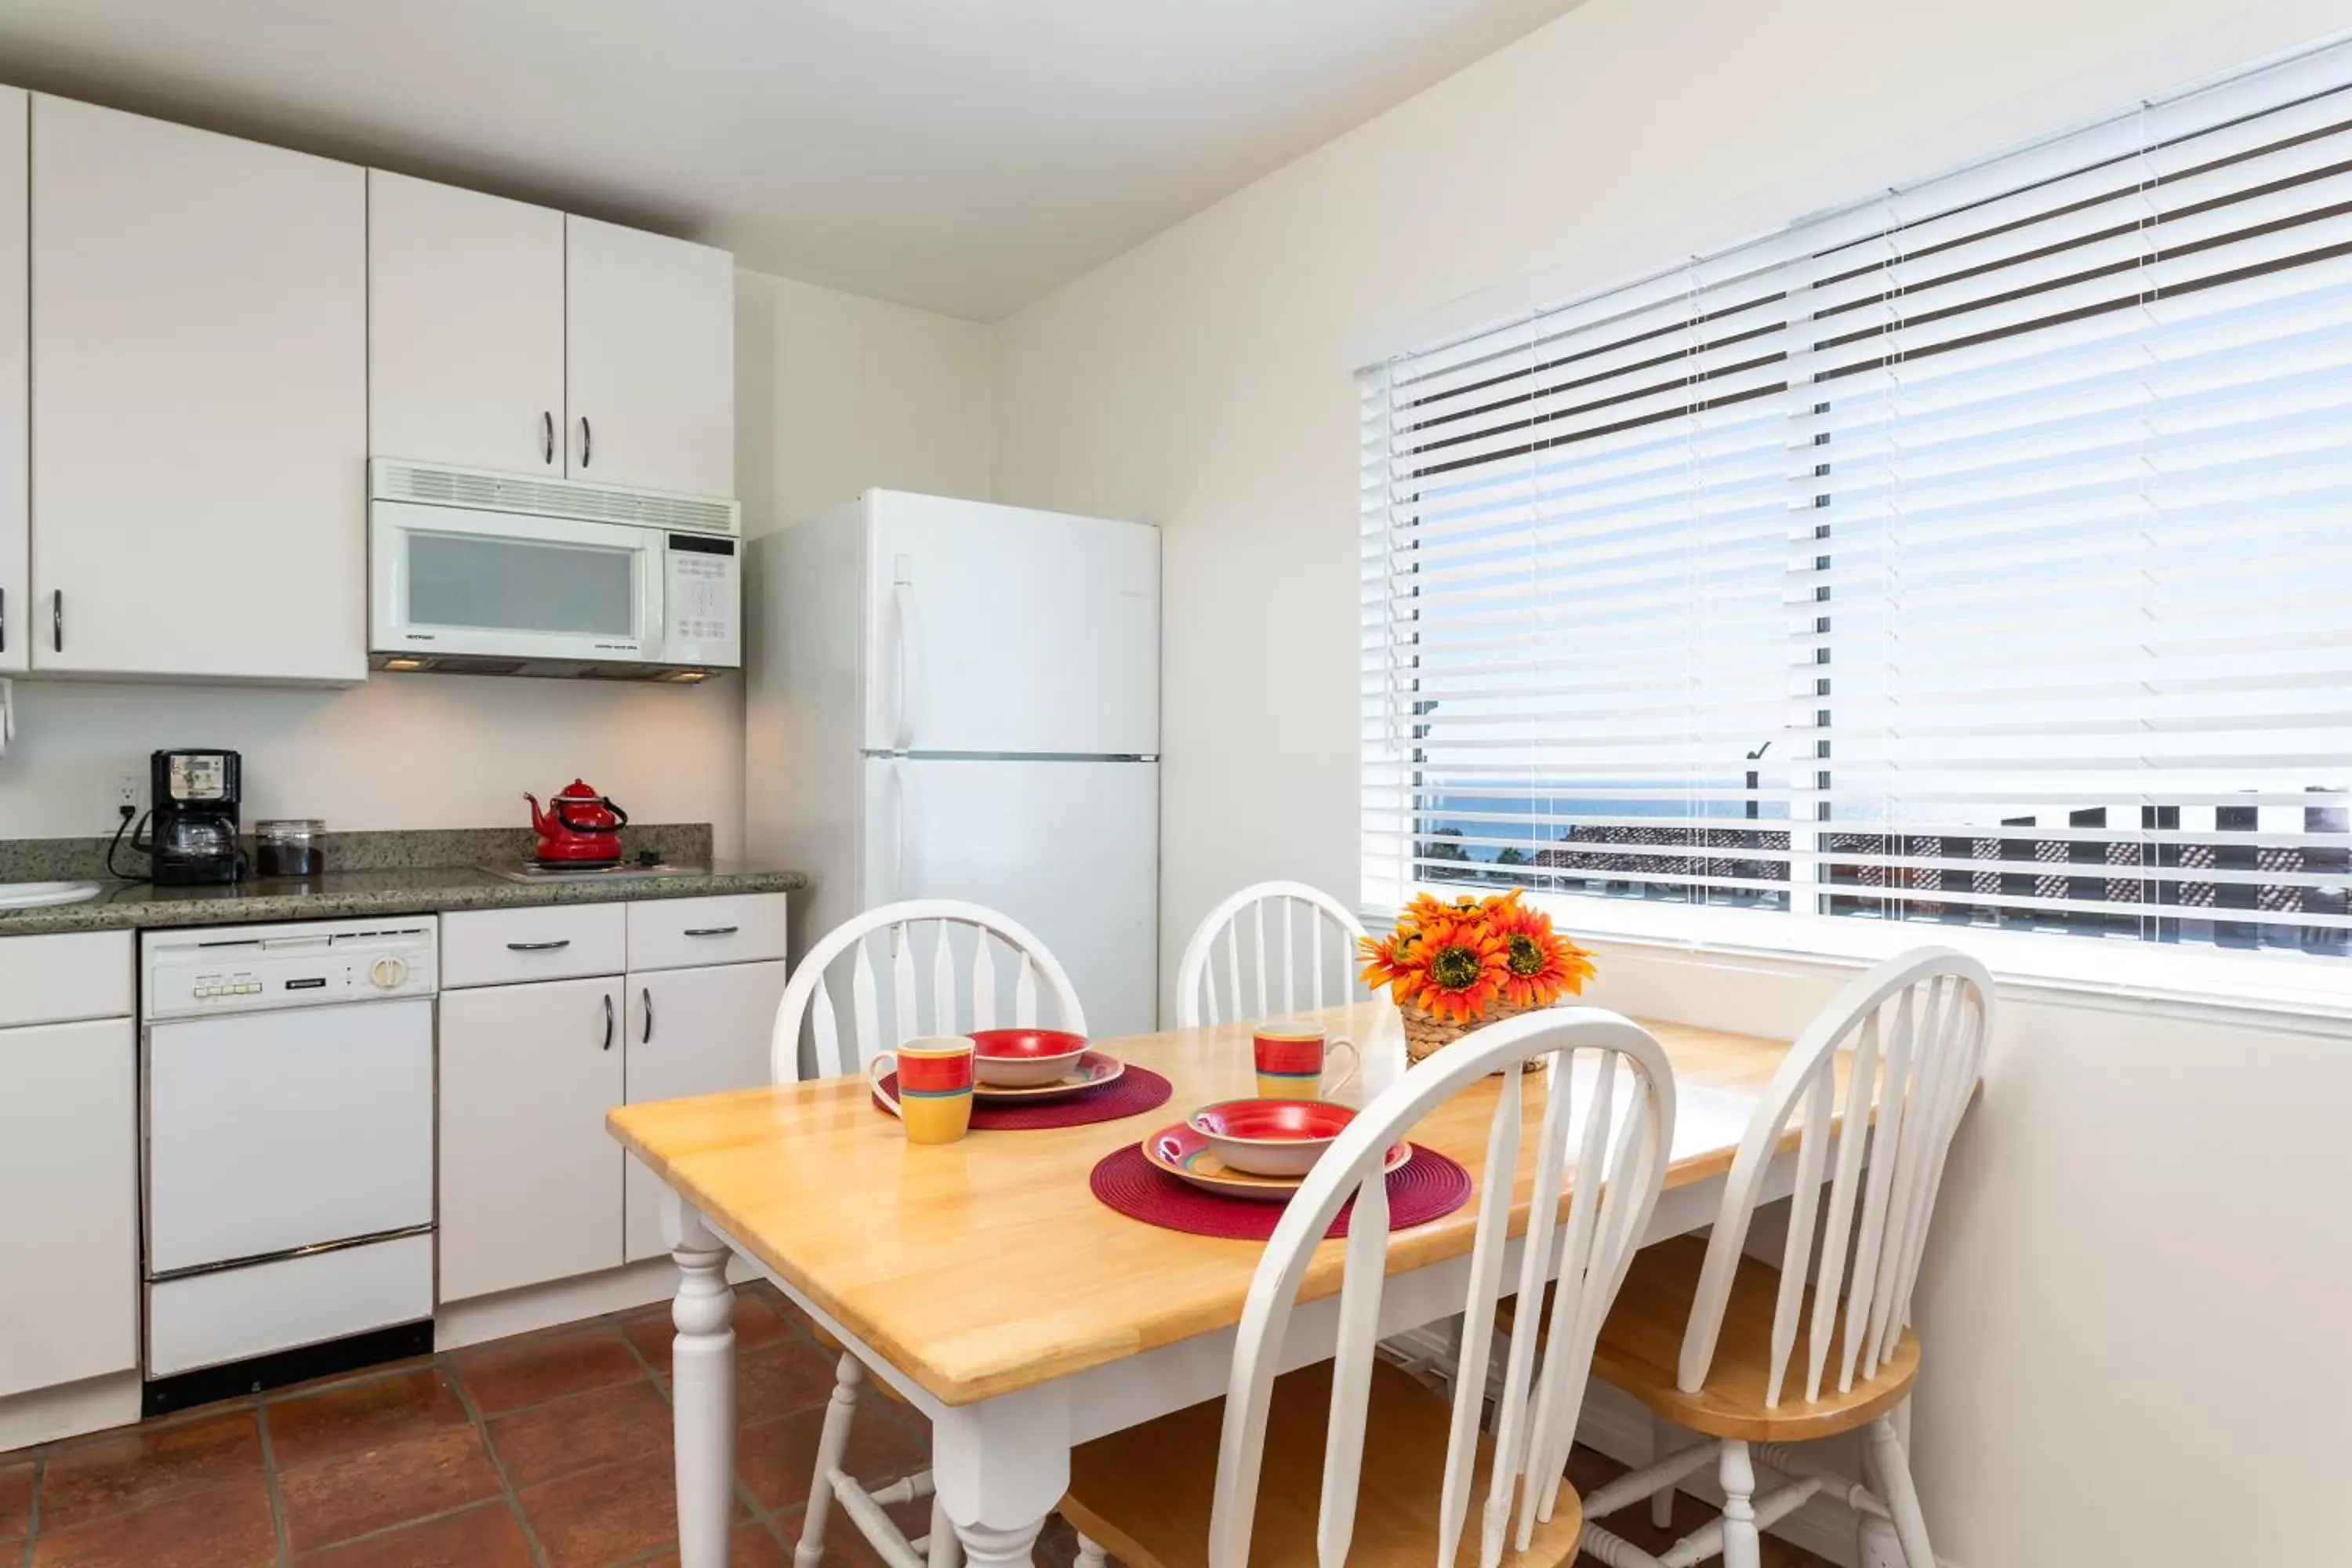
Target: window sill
[{"x": 2281, "y": 990}]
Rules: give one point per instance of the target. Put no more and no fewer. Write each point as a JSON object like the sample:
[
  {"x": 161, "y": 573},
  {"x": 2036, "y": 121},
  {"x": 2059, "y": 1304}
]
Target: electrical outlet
[{"x": 130, "y": 793}]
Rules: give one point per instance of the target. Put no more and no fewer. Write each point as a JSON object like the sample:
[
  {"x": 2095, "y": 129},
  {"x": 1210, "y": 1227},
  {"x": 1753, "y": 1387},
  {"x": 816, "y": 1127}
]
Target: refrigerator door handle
[
  {"x": 902, "y": 611},
  {"x": 900, "y": 784}
]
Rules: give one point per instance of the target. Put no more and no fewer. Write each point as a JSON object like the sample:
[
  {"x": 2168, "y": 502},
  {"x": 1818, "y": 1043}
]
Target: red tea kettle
[{"x": 579, "y": 827}]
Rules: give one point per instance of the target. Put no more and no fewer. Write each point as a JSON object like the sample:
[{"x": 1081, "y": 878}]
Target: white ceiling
[{"x": 964, "y": 155}]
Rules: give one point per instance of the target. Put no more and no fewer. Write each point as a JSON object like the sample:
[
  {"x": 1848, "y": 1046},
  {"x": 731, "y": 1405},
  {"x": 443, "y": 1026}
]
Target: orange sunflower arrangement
[{"x": 1454, "y": 964}]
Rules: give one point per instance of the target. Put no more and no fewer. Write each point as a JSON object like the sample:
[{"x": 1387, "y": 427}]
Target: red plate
[
  {"x": 1184, "y": 1153},
  {"x": 1272, "y": 1137},
  {"x": 1092, "y": 1070}
]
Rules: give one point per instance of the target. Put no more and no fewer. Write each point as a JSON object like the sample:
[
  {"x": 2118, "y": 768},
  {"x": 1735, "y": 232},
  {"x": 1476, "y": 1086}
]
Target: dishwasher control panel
[{"x": 233, "y": 969}]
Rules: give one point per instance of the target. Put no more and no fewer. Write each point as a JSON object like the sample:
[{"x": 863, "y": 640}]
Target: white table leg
[
  {"x": 702, "y": 1389},
  {"x": 1001, "y": 1466}
]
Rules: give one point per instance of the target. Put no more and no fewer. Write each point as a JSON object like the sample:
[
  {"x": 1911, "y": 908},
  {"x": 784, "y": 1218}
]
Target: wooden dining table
[{"x": 985, "y": 1281}]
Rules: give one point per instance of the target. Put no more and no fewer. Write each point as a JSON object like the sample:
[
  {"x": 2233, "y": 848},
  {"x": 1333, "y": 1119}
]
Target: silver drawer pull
[
  {"x": 716, "y": 931},
  {"x": 538, "y": 946}
]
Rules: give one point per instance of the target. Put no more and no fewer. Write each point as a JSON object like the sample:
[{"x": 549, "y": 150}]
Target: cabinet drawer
[
  {"x": 67, "y": 976},
  {"x": 501, "y": 947},
  {"x": 682, "y": 933}
]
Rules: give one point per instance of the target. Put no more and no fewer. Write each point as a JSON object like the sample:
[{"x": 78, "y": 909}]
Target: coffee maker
[{"x": 193, "y": 833}]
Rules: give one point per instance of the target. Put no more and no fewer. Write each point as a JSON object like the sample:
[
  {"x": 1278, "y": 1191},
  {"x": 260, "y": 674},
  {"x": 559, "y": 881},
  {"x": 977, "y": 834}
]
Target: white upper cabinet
[
  {"x": 650, "y": 375},
  {"x": 465, "y": 327},
  {"x": 16, "y": 541},
  {"x": 199, "y": 327}
]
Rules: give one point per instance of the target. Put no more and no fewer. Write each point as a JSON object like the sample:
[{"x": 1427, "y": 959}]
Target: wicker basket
[{"x": 1425, "y": 1034}]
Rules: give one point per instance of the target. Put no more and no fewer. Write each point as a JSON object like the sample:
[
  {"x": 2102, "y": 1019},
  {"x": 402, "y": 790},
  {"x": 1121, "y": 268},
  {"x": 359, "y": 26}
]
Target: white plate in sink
[{"x": 35, "y": 895}]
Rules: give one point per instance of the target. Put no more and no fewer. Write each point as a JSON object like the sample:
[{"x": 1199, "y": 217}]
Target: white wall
[
  {"x": 834, "y": 393},
  {"x": 839, "y": 394},
  {"x": 400, "y": 751},
  {"x": 1202, "y": 382}
]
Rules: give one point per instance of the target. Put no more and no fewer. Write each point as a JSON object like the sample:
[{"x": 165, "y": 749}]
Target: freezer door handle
[{"x": 902, "y": 615}]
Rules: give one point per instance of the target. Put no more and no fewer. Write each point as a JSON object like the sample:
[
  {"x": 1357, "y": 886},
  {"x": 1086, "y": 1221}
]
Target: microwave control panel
[{"x": 702, "y": 601}]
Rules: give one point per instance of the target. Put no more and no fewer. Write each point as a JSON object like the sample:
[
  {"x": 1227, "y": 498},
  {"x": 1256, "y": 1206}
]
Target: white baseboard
[
  {"x": 45, "y": 1415},
  {"x": 457, "y": 1324}
]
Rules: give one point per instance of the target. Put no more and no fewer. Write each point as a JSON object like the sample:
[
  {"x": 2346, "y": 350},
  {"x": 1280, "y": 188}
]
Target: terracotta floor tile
[
  {"x": 751, "y": 1546},
  {"x": 338, "y": 1379},
  {"x": 776, "y": 1459},
  {"x": 339, "y": 1417},
  {"x": 15, "y": 1500},
  {"x": 788, "y": 1376},
  {"x": 611, "y": 1514},
  {"x": 368, "y": 1489},
  {"x": 578, "y": 1433},
  {"x": 844, "y": 1546},
  {"x": 511, "y": 1373},
  {"x": 226, "y": 1527},
  {"x": 1589, "y": 1471},
  {"x": 483, "y": 1536},
  {"x": 756, "y": 1325},
  {"x": 138, "y": 1466},
  {"x": 785, "y": 1307}
]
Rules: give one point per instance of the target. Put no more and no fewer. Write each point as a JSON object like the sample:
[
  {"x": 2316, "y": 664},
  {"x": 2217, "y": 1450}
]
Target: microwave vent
[{"x": 478, "y": 491}]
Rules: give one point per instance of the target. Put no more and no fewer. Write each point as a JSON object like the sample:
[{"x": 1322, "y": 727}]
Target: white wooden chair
[
  {"x": 1706, "y": 1336},
  {"x": 962, "y": 994},
  {"x": 1293, "y": 904},
  {"x": 1233, "y": 1483}
]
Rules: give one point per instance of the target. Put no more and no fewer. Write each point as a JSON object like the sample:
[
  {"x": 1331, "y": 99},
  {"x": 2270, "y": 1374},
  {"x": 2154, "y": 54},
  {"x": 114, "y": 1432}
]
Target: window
[{"x": 1980, "y": 554}]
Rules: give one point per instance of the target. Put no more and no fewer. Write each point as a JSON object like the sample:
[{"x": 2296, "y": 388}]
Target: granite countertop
[{"x": 367, "y": 878}]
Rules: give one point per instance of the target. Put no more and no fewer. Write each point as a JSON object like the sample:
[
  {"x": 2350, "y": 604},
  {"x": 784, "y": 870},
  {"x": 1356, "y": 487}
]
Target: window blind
[{"x": 1980, "y": 554}]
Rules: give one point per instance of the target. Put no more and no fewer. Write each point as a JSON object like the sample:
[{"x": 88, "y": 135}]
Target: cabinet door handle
[
  {"x": 715, "y": 931},
  {"x": 546, "y": 437},
  {"x": 608, "y": 1020},
  {"x": 57, "y": 618},
  {"x": 556, "y": 946},
  {"x": 4, "y": 620},
  {"x": 586, "y": 441},
  {"x": 649, "y": 996}
]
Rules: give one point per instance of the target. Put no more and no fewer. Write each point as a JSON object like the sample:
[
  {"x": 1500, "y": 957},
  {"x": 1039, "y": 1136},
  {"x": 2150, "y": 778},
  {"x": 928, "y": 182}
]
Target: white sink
[{"x": 33, "y": 895}]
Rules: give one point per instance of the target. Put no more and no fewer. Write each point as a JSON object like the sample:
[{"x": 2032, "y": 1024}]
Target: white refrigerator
[{"x": 949, "y": 700}]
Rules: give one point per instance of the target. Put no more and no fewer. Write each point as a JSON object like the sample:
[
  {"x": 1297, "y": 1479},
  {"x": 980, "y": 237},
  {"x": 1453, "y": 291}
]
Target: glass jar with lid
[{"x": 290, "y": 846}]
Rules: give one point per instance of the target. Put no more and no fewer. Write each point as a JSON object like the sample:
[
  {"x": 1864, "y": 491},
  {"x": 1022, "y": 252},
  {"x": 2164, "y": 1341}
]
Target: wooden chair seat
[
  {"x": 1145, "y": 1493},
  {"x": 834, "y": 1346},
  {"x": 1642, "y": 1339}
]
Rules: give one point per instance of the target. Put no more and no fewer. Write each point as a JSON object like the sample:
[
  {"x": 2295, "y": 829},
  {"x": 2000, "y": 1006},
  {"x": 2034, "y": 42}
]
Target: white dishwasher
[{"x": 287, "y": 1120}]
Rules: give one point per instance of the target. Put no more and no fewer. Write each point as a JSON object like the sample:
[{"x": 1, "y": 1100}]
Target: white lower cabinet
[
  {"x": 532, "y": 1188},
  {"x": 530, "y": 1181},
  {"x": 69, "y": 1203},
  {"x": 692, "y": 1031}
]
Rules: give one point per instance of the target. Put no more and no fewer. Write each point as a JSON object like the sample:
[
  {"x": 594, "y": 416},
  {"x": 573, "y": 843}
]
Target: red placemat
[
  {"x": 1426, "y": 1187},
  {"x": 1133, "y": 1092}
]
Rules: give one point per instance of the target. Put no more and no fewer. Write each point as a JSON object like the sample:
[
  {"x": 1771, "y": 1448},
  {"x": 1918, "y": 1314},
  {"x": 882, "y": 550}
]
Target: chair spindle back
[
  {"x": 1916, "y": 1024},
  {"x": 1607, "y": 1127},
  {"x": 1250, "y": 958},
  {"x": 949, "y": 981}
]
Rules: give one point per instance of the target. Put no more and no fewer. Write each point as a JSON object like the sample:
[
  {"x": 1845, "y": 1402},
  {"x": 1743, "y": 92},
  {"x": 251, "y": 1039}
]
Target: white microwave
[{"x": 488, "y": 573}]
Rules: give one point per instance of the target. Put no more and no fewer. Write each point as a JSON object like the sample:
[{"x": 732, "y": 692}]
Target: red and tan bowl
[
  {"x": 1271, "y": 1137},
  {"x": 1026, "y": 1059},
  {"x": 1182, "y": 1153}
]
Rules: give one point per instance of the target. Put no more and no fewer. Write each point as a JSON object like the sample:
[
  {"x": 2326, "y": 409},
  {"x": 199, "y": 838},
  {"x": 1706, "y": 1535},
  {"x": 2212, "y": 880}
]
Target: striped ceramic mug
[
  {"x": 934, "y": 1098},
  {"x": 1291, "y": 1057}
]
